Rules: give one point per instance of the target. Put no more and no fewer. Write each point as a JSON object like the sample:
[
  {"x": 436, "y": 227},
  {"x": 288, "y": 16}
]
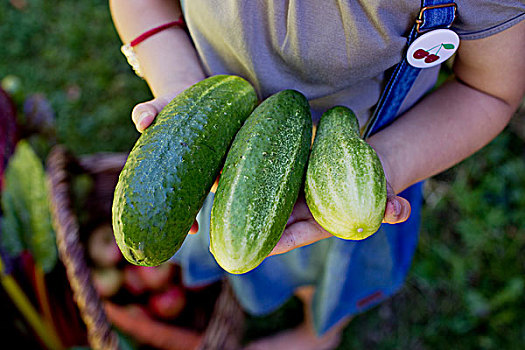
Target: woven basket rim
[{"x": 225, "y": 327}]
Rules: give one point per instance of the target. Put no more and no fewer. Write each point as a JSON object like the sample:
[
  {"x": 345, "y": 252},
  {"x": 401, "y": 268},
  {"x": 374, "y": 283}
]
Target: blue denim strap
[{"x": 434, "y": 14}]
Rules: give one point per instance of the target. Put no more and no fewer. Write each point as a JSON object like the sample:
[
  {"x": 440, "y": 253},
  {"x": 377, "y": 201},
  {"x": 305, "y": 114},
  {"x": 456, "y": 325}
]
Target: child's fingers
[
  {"x": 215, "y": 184},
  {"x": 397, "y": 210},
  {"x": 300, "y": 234},
  {"x": 194, "y": 228},
  {"x": 144, "y": 113}
]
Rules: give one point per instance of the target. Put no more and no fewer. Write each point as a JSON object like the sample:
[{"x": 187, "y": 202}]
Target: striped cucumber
[
  {"x": 173, "y": 165},
  {"x": 260, "y": 181},
  {"x": 345, "y": 186}
]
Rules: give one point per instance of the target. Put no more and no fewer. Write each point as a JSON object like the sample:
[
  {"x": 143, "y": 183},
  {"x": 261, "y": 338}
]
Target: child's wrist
[
  {"x": 178, "y": 84},
  {"x": 128, "y": 49}
]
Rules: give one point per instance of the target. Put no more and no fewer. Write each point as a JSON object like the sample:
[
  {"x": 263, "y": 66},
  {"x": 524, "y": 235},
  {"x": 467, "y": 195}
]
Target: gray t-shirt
[{"x": 334, "y": 52}]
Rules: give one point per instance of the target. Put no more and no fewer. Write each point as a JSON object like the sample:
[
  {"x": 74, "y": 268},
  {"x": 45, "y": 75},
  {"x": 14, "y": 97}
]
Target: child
[{"x": 335, "y": 53}]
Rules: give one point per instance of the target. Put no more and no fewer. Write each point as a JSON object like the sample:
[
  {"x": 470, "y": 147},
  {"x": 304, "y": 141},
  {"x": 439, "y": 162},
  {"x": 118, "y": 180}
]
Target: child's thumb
[
  {"x": 397, "y": 210},
  {"x": 144, "y": 113}
]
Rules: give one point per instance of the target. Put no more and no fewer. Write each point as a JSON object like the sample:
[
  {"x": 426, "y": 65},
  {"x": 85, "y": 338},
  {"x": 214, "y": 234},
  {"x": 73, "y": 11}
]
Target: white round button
[{"x": 432, "y": 48}]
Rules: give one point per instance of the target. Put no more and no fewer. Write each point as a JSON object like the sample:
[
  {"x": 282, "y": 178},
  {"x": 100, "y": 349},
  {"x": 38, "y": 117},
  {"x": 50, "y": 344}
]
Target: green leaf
[
  {"x": 476, "y": 303},
  {"x": 511, "y": 293},
  {"x": 449, "y": 46},
  {"x": 11, "y": 226},
  {"x": 25, "y": 203}
]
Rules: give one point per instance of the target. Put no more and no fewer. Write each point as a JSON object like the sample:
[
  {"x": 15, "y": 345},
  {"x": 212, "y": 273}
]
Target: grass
[
  {"x": 69, "y": 51},
  {"x": 465, "y": 287}
]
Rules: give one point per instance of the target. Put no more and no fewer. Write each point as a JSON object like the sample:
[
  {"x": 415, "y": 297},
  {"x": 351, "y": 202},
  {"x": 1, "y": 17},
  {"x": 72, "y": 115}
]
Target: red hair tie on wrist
[{"x": 127, "y": 49}]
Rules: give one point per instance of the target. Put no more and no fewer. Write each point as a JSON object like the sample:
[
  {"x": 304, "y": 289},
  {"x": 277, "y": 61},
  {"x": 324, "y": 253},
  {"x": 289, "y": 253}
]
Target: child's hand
[
  {"x": 302, "y": 229},
  {"x": 144, "y": 113},
  {"x": 195, "y": 227}
]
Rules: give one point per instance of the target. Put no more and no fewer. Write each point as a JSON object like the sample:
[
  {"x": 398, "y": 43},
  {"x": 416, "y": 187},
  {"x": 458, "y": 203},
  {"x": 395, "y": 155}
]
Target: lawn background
[{"x": 465, "y": 287}]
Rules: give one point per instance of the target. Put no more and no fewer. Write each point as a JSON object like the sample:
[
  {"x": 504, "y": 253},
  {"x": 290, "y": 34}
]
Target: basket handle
[
  {"x": 227, "y": 322},
  {"x": 99, "y": 331}
]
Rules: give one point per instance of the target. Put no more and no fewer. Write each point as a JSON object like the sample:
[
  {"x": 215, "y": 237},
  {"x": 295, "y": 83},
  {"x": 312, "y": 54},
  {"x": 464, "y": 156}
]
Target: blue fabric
[
  {"x": 404, "y": 74},
  {"x": 393, "y": 96},
  {"x": 350, "y": 276},
  {"x": 437, "y": 17}
]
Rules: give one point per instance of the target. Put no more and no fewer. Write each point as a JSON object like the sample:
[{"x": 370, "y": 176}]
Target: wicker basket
[{"x": 224, "y": 329}]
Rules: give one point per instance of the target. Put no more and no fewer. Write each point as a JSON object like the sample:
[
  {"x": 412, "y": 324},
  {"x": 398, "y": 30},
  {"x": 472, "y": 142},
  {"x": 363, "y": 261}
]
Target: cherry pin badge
[{"x": 432, "y": 48}]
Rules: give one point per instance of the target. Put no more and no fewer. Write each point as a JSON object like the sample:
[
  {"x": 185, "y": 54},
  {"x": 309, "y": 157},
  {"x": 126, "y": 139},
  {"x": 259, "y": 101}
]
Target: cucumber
[
  {"x": 345, "y": 186},
  {"x": 173, "y": 165},
  {"x": 260, "y": 182}
]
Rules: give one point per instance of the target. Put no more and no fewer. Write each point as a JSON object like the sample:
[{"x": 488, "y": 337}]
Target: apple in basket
[
  {"x": 107, "y": 281},
  {"x": 156, "y": 277},
  {"x": 132, "y": 280},
  {"x": 102, "y": 248},
  {"x": 169, "y": 303}
]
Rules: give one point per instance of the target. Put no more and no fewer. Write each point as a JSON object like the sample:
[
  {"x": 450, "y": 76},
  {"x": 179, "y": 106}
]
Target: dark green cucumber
[
  {"x": 260, "y": 181},
  {"x": 173, "y": 165},
  {"x": 345, "y": 186}
]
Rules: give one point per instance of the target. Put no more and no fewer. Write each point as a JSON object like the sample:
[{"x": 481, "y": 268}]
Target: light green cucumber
[
  {"x": 173, "y": 165},
  {"x": 345, "y": 186},
  {"x": 260, "y": 182}
]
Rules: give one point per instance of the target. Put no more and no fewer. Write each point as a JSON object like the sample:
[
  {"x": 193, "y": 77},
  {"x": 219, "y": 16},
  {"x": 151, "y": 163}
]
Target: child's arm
[
  {"x": 447, "y": 126},
  {"x": 168, "y": 59},
  {"x": 462, "y": 116}
]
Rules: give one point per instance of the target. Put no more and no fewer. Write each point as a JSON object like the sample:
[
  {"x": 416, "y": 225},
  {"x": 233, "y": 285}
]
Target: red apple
[
  {"x": 167, "y": 304},
  {"x": 157, "y": 277},
  {"x": 132, "y": 281}
]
